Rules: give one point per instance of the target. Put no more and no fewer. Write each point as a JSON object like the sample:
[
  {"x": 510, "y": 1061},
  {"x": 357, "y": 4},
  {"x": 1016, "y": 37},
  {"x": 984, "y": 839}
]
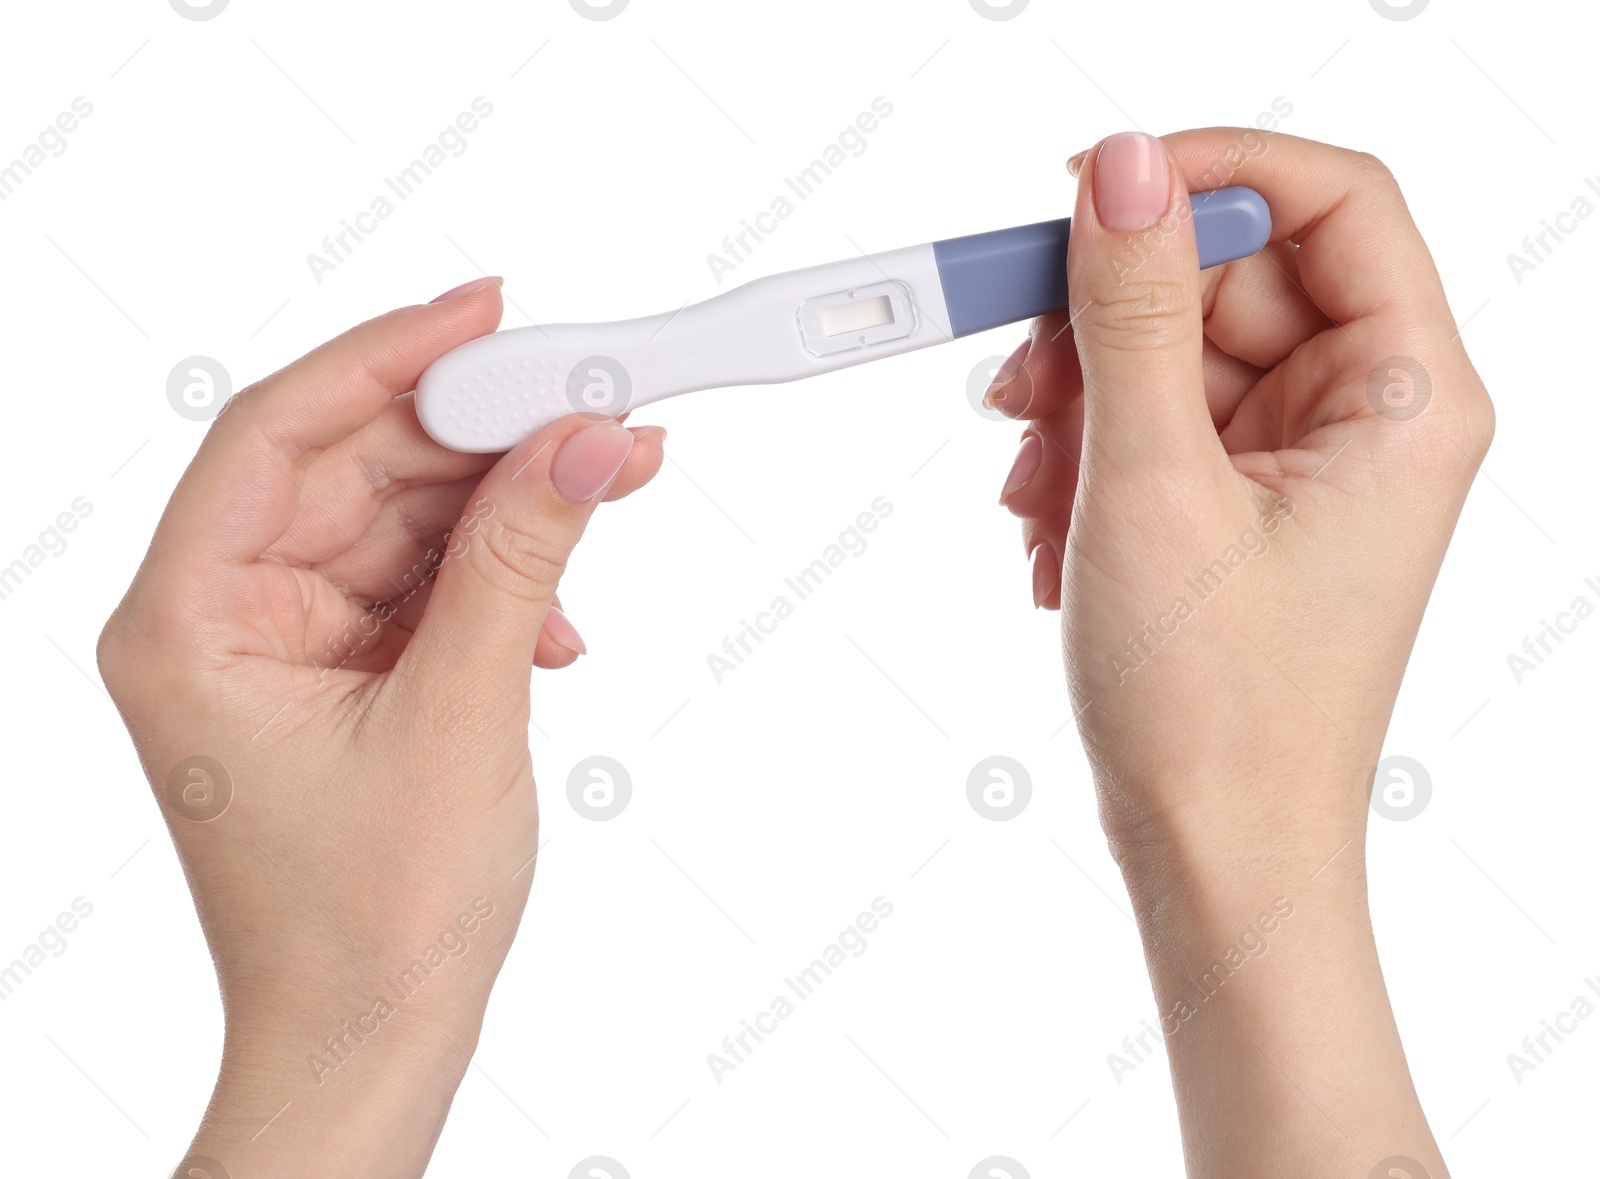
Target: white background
[{"x": 829, "y": 768}]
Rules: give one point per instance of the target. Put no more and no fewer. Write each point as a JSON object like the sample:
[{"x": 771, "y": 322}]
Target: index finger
[
  {"x": 1360, "y": 252},
  {"x": 244, "y": 486}
]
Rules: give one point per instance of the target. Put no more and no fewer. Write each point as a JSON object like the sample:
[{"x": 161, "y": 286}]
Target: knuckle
[
  {"x": 518, "y": 559},
  {"x": 111, "y": 656},
  {"x": 1148, "y": 312},
  {"x": 1374, "y": 172},
  {"x": 1480, "y": 418}
]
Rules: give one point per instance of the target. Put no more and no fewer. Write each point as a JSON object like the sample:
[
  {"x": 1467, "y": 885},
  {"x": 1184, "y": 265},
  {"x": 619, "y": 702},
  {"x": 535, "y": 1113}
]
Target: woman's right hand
[
  {"x": 1241, "y": 482},
  {"x": 1239, "y": 485}
]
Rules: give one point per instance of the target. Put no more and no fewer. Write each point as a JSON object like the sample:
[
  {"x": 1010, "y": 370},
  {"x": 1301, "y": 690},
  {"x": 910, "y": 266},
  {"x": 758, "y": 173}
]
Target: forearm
[{"x": 1284, "y": 1053}]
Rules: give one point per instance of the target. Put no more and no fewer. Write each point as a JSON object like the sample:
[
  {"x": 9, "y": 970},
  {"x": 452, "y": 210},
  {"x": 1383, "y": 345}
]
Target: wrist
[
  {"x": 1261, "y": 904},
  {"x": 1239, "y": 825},
  {"x": 363, "y": 1099},
  {"x": 1233, "y": 864},
  {"x": 1263, "y": 969}
]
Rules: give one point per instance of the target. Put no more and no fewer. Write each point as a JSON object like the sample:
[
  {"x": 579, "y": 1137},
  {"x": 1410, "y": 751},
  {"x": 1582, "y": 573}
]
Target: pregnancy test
[{"x": 491, "y": 393}]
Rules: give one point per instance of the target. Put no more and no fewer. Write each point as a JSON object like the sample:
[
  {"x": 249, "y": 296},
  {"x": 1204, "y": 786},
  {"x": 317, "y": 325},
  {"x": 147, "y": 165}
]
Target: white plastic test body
[{"x": 488, "y": 395}]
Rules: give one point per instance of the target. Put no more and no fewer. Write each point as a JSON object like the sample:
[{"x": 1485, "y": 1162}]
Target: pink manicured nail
[
  {"x": 1046, "y": 572},
  {"x": 560, "y": 628},
  {"x": 468, "y": 288},
  {"x": 1029, "y": 455},
  {"x": 1131, "y": 182},
  {"x": 1006, "y": 371},
  {"x": 589, "y": 460}
]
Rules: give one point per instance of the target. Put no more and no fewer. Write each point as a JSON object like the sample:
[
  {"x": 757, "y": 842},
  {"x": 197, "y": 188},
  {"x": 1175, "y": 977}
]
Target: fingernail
[
  {"x": 1006, "y": 372},
  {"x": 562, "y": 631},
  {"x": 659, "y": 433},
  {"x": 468, "y": 288},
  {"x": 1075, "y": 164},
  {"x": 1029, "y": 455},
  {"x": 1131, "y": 182},
  {"x": 589, "y": 460},
  {"x": 1046, "y": 572}
]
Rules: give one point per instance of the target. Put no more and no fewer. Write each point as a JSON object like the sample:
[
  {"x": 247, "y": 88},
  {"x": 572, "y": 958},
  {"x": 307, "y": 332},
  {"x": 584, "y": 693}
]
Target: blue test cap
[{"x": 1006, "y": 275}]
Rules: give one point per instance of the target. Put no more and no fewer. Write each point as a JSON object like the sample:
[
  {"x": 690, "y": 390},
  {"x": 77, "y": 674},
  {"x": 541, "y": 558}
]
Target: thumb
[
  {"x": 1134, "y": 278},
  {"x": 506, "y": 556}
]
